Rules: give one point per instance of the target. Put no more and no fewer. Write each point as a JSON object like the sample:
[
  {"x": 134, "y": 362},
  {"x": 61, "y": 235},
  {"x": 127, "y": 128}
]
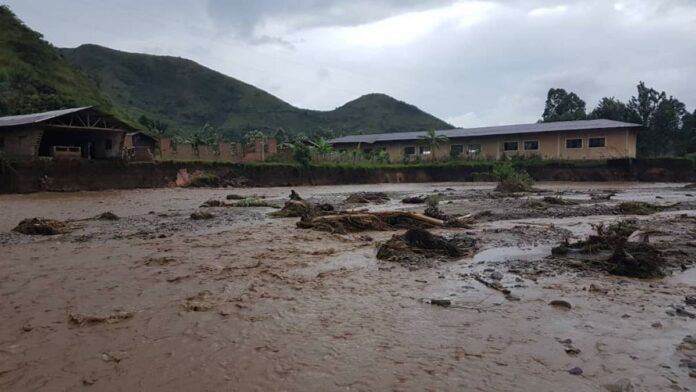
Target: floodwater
[{"x": 246, "y": 302}]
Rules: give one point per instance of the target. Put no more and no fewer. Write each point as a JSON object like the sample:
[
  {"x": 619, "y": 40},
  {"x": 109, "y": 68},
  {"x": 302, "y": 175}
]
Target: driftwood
[{"x": 381, "y": 214}]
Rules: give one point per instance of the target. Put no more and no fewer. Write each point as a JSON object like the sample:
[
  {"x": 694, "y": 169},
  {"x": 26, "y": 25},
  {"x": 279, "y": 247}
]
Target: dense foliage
[
  {"x": 184, "y": 94},
  {"x": 670, "y": 128},
  {"x": 34, "y": 76}
]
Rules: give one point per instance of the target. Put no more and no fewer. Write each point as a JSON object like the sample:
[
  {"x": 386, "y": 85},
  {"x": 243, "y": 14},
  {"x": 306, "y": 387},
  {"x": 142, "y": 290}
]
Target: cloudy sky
[{"x": 471, "y": 63}]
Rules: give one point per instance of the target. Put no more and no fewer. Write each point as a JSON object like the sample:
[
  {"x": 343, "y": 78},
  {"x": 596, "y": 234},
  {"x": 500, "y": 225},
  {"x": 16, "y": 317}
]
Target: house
[
  {"x": 570, "y": 140},
  {"x": 78, "y": 133},
  {"x": 138, "y": 146}
]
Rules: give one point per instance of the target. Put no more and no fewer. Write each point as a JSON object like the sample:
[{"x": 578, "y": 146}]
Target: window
[
  {"x": 108, "y": 145},
  {"x": 474, "y": 148},
  {"x": 456, "y": 150},
  {"x": 424, "y": 150},
  {"x": 2, "y": 143},
  {"x": 597, "y": 142},
  {"x": 573, "y": 143},
  {"x": 531, "y": 145},
  {"x": 410, "y": 151},
  {"x": 266, "y": 149},
  {"x": 510, "y": 146}
]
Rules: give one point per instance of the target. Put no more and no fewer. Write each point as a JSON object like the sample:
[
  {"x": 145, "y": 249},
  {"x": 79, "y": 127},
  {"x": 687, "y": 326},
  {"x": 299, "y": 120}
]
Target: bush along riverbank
[{"x": 43, "y": 175}]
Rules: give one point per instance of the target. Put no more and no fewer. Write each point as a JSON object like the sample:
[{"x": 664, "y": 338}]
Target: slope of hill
[
  {"x": 35, "y": 77},
  {"x": 183, "y": 93}
]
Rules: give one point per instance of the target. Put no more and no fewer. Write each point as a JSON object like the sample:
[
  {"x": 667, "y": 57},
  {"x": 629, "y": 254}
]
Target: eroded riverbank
[{"x": 157, "y": 301}]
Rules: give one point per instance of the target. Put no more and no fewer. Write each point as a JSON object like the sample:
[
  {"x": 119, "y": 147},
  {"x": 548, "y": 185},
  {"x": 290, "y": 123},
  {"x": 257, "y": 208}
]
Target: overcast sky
[{"x": 471, "y": 63}]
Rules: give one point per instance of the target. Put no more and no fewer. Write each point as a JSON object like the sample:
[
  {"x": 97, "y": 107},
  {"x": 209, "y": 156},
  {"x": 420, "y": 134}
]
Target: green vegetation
[
  {"x": 512, "y": 180},
  {"x": 185, "y": 95},
  {"x": 670, "y": 128},
  {"x": 35, "y": 77}
]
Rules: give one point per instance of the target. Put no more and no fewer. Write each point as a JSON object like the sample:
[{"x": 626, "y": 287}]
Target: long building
[{"x": 570, "y": 140}]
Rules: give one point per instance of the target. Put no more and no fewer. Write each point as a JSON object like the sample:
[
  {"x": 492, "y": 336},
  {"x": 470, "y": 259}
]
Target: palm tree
[
  {"x": 432, "y": 140},
  {"x": 322, "y": 147}
]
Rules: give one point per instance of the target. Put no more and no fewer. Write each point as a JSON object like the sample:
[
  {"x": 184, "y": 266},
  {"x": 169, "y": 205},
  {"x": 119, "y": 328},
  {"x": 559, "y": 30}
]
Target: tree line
[{"x": 670, "y": 129}]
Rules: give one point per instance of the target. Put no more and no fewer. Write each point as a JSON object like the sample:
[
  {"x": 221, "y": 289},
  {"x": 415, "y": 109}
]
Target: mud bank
[{"x": 69, "y": 176}]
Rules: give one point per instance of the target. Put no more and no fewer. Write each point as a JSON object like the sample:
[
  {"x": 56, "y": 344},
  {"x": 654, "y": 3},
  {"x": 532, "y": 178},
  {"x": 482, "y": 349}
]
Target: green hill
[
  {"x": 35, "y": 77},
  {"x": 183, "y": 93}
]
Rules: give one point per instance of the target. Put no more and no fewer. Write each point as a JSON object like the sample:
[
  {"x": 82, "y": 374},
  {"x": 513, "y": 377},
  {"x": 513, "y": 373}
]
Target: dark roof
[
  {"x": 26, "y": 119},
  {"x": 561, "y": 126},
  {"x": 36, "y": 118}
]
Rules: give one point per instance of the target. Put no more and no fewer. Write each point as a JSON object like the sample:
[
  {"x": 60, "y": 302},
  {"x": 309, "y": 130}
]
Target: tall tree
[
  {"x": 663, "y": 118},
  {"x": 563, "y": 106},
  {"x": 613, "y": 109}
]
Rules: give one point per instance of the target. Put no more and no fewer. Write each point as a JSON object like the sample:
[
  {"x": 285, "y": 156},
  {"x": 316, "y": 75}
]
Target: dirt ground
[{"x": 157, "y": 301}]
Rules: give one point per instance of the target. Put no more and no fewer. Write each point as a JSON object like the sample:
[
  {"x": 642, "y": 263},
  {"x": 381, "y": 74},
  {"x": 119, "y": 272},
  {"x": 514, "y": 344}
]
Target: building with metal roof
[
  {"x": 76, "y": 133},
  {"x": 576, "y": 140}
]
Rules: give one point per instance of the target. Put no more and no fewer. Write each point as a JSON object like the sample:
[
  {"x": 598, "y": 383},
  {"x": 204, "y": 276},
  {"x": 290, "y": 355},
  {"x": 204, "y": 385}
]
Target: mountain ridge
[{"x": 177, "y": 92}]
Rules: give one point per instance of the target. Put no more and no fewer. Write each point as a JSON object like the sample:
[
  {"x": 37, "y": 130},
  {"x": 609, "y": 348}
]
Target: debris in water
[
  {"x": 294, "y": 195},
  {"x": 414, "y": 199},
  {"x": 642, "y": 208},
  {"x": 200, "y": 215},
  {"x": 602, "y": 196},
  {"x": 576, "y": 371},
  {"x": 637, "y": 260},
  {"x": 559, "y": 303},
  {"x": 213, "y": 203},
  {"x": 111, "y": 318},
  {"x": 343, "y": 223},
  {"x": 234, "y": 196},
  {"x": 108, "y": 216},
  {"x": 41, "y": 226},
  {"x": 419, "y": 248},
  {"x": 367, "y": 197},
  {"x": 251, "y": 202},
  {"x": 441, "y": 302},
  {"x": 559, "y": 201}
]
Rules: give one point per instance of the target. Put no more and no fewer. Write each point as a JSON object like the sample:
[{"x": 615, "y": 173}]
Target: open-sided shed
[{"x": 78, "y": 133}]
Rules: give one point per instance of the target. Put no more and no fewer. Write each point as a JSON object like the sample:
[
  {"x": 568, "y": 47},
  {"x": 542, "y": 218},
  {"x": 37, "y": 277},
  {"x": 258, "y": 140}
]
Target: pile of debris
[
  {"x": 557, "y": 200},
  {"x": 642, "y": 208},
  {"x": 620, "y": 249},
  {"x": 367, "y": 197},
  {"x": 346, "y": 222},
  {"x": 244, "y": 202},
  {"x": 297, "y": 207},
  {"x": 414, "y": 199},
  {"x": 41, "y": 226},
  {"x": 418, "y": 248}
]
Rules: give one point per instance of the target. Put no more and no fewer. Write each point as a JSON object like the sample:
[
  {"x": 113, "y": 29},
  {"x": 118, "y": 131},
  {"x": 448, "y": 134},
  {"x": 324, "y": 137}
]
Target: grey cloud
[{"x": 244, "y": 16}]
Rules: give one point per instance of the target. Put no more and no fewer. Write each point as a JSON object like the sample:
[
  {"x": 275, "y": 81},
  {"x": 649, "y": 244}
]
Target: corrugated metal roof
[
  {"x": 26, "y": 119},
  {"x": 561, "y": 126}
]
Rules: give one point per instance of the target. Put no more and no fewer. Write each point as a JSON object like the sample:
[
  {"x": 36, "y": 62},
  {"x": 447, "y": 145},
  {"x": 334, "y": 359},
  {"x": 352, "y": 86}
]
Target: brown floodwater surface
[{"x": 158, "y": 302}]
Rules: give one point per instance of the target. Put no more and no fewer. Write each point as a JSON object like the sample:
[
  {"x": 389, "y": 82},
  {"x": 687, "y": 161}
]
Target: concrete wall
[
  {"x": 224, "y": 152},
  {"x": 20, "y": 143},
  {"x": 619, "y": 143}
]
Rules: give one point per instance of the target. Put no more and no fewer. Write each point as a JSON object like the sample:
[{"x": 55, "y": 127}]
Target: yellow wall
[{"x": 620, "y": 143}]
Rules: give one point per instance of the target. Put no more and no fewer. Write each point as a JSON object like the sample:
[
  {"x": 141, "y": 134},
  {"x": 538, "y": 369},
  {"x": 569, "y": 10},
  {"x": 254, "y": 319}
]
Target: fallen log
[{"x": 382, "y": 214}]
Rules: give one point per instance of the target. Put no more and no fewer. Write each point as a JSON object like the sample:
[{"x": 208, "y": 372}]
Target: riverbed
[{"x": 157, "y": 301}]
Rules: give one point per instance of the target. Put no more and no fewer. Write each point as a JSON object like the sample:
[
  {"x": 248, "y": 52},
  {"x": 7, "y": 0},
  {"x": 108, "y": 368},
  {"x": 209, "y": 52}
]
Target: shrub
[{"x": 511, "y": 180}]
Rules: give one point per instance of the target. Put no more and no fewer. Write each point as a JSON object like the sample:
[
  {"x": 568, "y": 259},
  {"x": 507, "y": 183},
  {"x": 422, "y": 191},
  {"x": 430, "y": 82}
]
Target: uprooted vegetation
[
  {"x": 620, "y": 249},
  {"x": 511, "y": 180},
  {"x": 343, "y": 223},
  {"x": 641, "y": 208},
  {"x": 41, "y": 226},
  {"x": 297, "y": 207},
  {"x": 367, "y": 197},
  {"x": 418, "y": 248}
]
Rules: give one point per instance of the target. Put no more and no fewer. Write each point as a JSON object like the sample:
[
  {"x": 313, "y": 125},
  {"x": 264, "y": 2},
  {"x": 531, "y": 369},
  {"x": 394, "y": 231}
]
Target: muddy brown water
[{"x": 245, "y": 302}]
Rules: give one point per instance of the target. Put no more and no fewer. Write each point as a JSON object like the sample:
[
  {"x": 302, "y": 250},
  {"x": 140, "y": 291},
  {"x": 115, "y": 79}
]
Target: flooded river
[{"x": 156, "y": 301}]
